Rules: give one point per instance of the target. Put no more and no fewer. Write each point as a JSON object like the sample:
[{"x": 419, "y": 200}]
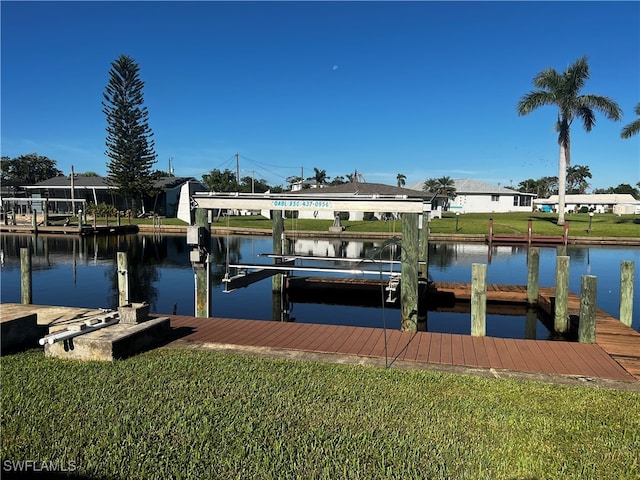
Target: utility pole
[
  {"x": 73, "y": 187},
  {"x": 238, "y": 169}
]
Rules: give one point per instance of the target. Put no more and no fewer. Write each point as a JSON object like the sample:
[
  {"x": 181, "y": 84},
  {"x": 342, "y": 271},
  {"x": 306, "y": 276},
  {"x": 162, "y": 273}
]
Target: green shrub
[{"x": 102, "y": 210}]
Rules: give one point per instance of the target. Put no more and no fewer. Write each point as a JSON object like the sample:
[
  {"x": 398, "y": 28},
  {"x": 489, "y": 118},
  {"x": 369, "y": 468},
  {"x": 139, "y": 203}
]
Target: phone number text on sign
[{"x": 302, "y": 203}]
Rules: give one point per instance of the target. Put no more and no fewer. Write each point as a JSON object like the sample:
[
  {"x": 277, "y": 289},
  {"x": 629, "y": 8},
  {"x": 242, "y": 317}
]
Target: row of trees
[
  {"x": 226, "y": 181},
  {"x": 576, "y": 183},
  {"x": 32, "y": 168},
  {"x": 27, "y": 169},
  {"x": 320, "y": 178},
  {"x": 131, "y": 149}
]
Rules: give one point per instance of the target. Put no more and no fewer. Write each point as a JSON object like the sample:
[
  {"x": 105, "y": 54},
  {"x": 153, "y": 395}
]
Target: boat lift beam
[
  {"x": 370, "y": 261},
  {"x": 306, "y": 202},
  {"x": 243, "y": 280},
  {"x": 284, "y": 268},
  {"x": 329, "y": 259}
]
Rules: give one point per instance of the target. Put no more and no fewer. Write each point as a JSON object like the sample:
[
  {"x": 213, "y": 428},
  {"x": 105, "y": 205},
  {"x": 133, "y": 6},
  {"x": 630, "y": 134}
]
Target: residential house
[
  {"x": 474, "y": 196},
  {"x": 619, "y": 203},
  {"x": 359, "y": 188},
  {"x": 172, "y": 197}
]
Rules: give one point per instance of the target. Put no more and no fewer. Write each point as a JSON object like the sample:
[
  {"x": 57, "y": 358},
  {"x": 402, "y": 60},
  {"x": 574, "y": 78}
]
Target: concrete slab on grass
[{"x": 113, "y": 342}]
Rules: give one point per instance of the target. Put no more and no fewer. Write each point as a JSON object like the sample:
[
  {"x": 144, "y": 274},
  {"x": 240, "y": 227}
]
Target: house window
[
  {"x": 495, "y": 198},
  {"x": 521, "y": 201}
]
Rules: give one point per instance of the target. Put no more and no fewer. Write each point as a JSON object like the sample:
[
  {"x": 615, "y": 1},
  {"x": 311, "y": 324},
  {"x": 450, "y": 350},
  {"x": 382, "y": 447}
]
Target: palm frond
[
  {"x": 587, "y": 116},
  {"x": 548, "y": 79},
  {"x": 632, "y": 129},
  {"x": 533, "y": 100},
  {"x": 576, "y": 76},
  {"x": 603, "y": 104}
]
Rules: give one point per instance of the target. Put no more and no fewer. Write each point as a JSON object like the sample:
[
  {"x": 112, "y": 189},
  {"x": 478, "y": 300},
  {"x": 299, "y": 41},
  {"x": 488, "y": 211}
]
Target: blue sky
[{"x": 426, "y": 89}]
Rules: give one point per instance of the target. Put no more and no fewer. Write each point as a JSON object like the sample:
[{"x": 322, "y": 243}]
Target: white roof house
[
  {"x": 474, "y": 196},
  {"x": 355, "y": 189},
  {"x": 598, "y": 202}
]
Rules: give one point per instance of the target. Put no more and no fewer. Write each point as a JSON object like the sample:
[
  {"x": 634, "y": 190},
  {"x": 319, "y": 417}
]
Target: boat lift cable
[
  {"x": 382, "y": 301},
  {"x": 226, "y": 271},
  {"x": 371, "y": 257}
]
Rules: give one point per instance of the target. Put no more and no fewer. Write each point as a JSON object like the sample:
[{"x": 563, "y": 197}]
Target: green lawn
[
  {"x": 195, "y": 414},
  {"x": 602, "y": 225}
]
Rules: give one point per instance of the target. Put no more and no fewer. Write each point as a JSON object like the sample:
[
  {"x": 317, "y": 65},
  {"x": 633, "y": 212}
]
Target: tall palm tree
[
  {"x": 320, "y": 176},
  {"x": 401, "y": 180},
  {"x": 577, "y": 179},
  {"x": 562, "y": 90},
  {"x": 634, "y": 127},
  {"x": 443, "y": 186},
  {"x": 527, "y": 186},
  {"x": 430, "y": 185},
  {"x": 447, "y": 187}
]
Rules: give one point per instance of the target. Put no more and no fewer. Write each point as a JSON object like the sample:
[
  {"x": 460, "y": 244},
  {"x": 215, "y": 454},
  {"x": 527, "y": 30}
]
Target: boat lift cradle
[{"x": 286, "y": 263}]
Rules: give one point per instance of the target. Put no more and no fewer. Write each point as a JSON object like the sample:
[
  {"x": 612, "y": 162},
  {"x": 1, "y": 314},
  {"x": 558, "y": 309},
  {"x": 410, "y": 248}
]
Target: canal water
[{"x": 81, "y": 272}]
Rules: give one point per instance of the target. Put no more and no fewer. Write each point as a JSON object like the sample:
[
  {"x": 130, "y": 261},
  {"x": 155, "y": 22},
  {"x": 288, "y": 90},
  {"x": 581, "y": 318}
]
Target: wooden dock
[
  {"x": 530, "y": 238},
  {"x": 622, "y": 343},
  {"x": 615, "y": 355},
  {"x": 545, "y": 357},
  {"x": 68, "y": 230}
]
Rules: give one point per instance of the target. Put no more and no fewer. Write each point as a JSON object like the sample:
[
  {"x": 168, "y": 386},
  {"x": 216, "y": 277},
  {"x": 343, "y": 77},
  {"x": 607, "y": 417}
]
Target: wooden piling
[
  {"x": 201, "y": 269},
  {"x": 478, "y": 299},
  {"x": 587, "y": 321},
  {"x": 561, "y": 316},
  {"x": 626, "y": 292},
  {"x": 409, "y": 272},
  {"x": 34, "y": 221},
  {"x": 533, "y": 275},
  {"x": 277, "y": 229},
  {"x": 531, "y": 324},
  {"x": 529, "y": 231},
  {"x": 123, "y": 278},
  {"x": 25, "y": 276},
  {"x": 423, "y": 268},
  {"x": 490, "y": 231},
  {"x": 45, "y": 213}
]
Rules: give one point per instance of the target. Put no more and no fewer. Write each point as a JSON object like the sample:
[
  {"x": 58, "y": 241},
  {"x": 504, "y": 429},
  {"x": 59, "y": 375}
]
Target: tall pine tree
[{"x": 130, "y": 147}]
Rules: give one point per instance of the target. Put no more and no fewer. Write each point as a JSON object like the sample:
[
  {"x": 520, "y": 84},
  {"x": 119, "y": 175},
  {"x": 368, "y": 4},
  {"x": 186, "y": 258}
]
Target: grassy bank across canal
[
  {"x": 580, "y": 224},
  {"x": 174, "y": 413}
]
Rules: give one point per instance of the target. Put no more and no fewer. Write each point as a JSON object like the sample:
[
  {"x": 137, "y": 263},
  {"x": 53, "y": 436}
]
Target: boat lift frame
[
  {"x": 310, "y": 202},
  {"x": 334, "y": 203}
]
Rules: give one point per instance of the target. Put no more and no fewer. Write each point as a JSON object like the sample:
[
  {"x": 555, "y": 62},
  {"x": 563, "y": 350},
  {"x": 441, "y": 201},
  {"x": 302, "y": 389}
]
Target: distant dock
[{"x": 85, "y": 230}]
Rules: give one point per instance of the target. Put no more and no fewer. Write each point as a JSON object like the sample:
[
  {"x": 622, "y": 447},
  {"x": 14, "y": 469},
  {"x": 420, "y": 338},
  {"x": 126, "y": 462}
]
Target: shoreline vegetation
[{"x": 470, "y": 227}]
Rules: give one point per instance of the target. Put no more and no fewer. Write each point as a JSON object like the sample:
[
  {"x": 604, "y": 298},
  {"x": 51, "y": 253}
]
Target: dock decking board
[
  {"x": 616, "y": 356},
  {"x": 552, "y": 357},
  {"x": 620, "y": 342}
]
